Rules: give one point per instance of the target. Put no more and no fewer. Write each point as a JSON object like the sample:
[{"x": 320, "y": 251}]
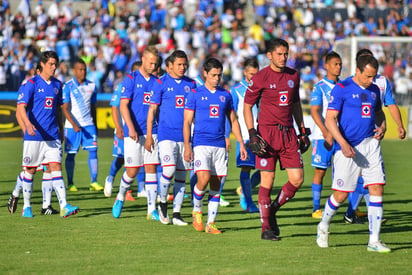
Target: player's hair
[
  {"x": 176, "y": 54},
  {"x": 251, "y": 62},
  {"x": 79, "y": 61},
  {"x": 364, "y": 60},
  {"x": 273, "y": 44},
  {"x": 136, "y": 65},
  {"x": 151, "y": 49},
  {"x": 212, "y": 63},
  {"x": 363, "y": 51},
  {"x": 45, "y": 56},
  {"x": 330, "y": 55}
]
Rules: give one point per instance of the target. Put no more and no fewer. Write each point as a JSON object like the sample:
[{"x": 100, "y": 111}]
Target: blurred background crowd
[{"x": 110, "y": 35}]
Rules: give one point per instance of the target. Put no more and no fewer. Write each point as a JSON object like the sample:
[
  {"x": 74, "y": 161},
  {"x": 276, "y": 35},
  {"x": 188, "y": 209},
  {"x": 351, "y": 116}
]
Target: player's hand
[
  {"x": 188, "y": 154},
  {"x": 257, "y": 144},
  {"x": 120, "y": 133},
  {"x": 243, "y": 152},
  {"x": 228, "y": 144},
  {"x": 133, "y": 135},
  {"x": 328, "y": 141},
  {"x": 30, "y": 129},
  {"x": 401, "y": 132},
  {"x": 379, "y": 133},
  {"x": 347, "y": 150},
  {"x": 149, "y": 143},
  {"x": 303, "y": 139},
  {"x": 76, "y": 128}
]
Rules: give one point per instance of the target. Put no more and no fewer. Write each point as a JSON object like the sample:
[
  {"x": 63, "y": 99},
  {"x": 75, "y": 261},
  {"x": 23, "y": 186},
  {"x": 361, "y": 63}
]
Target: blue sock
[
  {"x": 255, "y": 179},
  {"x": 93, "y": 165},
  {"x": 316, "y": 191},
  {"x": 354, "y": 198},
  {"x": 246, "y": 184},
  {"x": 140, "y": 180},
  {"x": 70, "y": 168},
  {"x": 193, "y": 181},
  {"x": 222, "y": 183},
  {"x": 117, "y": 163}
]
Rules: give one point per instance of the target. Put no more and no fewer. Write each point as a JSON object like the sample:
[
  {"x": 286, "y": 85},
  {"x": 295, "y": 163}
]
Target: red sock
[
  {"x": 286, "y": 193},
  {"x": 264, "y": 207}
]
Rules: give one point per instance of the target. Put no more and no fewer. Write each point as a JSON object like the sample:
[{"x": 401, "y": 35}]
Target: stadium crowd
[{"x": 111, "y": 35}]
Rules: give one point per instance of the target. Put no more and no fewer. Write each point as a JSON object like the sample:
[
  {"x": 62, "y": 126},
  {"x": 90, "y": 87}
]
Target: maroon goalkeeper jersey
[{"x": 277, "y": 92}]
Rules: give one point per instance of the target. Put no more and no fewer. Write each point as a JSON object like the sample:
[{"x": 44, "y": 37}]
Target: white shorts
[
  {"x": 210, "y": 158},
  {"x": 368, "y": 163},
  {"x": 171, "y": 154},
  {"x": 135, "y": 155},
  {"x": 36, "y": 153}
]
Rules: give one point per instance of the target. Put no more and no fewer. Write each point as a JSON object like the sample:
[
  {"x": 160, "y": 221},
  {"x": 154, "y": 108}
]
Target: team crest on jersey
[
  {"x": 26, "y": 160},
  {"x": 129, "y": 160},
  {"x": 373, "y": 96},
  {"x": 222, "y": 98},
  {"x": 214, "y": 111},
  {"x": 123, "y": 89},
  {"x": 48, "y": 103},
  {"x": 180, "y": 101},
  {"x": 366, "y": 110},
  {"x": 187, "y": 89},
  {"x": 146, "y": 98},
  {"x": 166, "y": 158},
  {"x": 291, "y": 84},
  {"x": 198, "y": 163},
  {"x": 263, "y": 162},
  {"x": 56, "y": 91},
  {"x": 340, "y": 182},
  {"x": 283, "y": 98}
]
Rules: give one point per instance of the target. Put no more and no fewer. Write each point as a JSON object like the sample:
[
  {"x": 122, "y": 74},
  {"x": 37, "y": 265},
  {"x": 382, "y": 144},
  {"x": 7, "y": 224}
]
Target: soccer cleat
[
  {"x": 353, "y": 219},
  {"x": 69, "y": 210},
  {"x": 129, "y": 196},
  {"x": 322, "y": 238},
  {"x": 170, "y": 197},
  {"x": 154, "y": 216},
  {"x": 26, "y": 213},
  {"x": 108, "y": 186},
  {"x": 223, "y": 202},
  {"x": 73, "y": 188},
  {"x": 242, "y": 199},
  {"x": 177, "y": 220},
  {"x": 212, "y": 229},
  {"x": 49, "y": 210},
  {"x": 269, "y": 235},
  {"x": 379, "y": 247},
  {"x": 142, "y": 194},
  {"x": 317, "y": 214},
  {"x": 94, "y": 186},
  {"x": 360, "y": 214},
  {"x": 197, "y": 220},
  {"x": 252, "y": 208},
  {"x": 12, "y": 203},
  {"x": 117, "y": 208},
  {"x": 273, "y": 220},
  {"x": 163, "y": 215}
]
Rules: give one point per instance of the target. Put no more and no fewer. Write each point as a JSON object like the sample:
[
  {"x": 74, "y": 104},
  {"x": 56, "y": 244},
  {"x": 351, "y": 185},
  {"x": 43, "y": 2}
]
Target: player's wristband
[{"x": 252, "y": 132}]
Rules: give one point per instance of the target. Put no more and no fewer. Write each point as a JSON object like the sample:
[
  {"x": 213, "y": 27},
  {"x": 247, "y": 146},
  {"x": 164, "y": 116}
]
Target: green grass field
[{"x": 93, "y": 242}]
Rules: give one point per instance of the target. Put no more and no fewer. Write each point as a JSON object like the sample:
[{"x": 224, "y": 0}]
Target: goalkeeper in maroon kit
[{"x": 276, "y": 91}]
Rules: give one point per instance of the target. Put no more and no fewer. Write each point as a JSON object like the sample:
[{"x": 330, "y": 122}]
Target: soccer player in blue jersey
[
  {"x": 38, "y": 106},
  {"x": 207, "y": 108},
  {"x": 251, "y": 67},
  {"x": 353, "y": 111},
  {"x": 168, "y": 101},
  {"x": 387, "y": 99},
  {"x": 79, "y": 108},
  {"x": 322, "y": 140},
  {"x": 118, "y": 147},
  {"x": 134, "y": 106}
]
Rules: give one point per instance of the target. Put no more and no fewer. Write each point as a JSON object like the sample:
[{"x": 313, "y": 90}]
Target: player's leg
[
  {"x": 117, "y": 163},
  {"x": 27, "y": 186},
  {"x": 223, "y": 202},
  {"x": 213, "y": 205},
  {"x": 354, "y": 200},
  {"x": 179, "y": 190},
  {"x": 264, "y": 199},
  {"x": 71, "y": 147},
  {"x": 69, "y": 164},
  {"x": 151, "y": 161},
  {"x": 141, "y": 192},
  {"x": 14, "y": 197},
  {"x": 317, "y": 184},
  {"x": 47, "y": 188},
  {"x": 89, "y": 142}
]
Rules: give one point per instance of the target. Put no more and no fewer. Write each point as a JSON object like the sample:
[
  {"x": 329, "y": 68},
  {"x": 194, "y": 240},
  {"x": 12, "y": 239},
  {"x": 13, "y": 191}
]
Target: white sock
[
  {"x": 164, "y": 187},
  {"x": 178, "y": 195},
  {"x": 19, "y": 185},
  {"x": 27, "y": 185},
  {"x": 59, "y": 188},
  {"x": 331, "y": 206},
  {"x": 151, "y": 190},
  {"x": 198, "y": 199},
  {"x": 375, "y": 213},
  {"x": 124, "y": 186},
  {"x": 213, "y": 205},
  {"x": 46, "y": 187}
]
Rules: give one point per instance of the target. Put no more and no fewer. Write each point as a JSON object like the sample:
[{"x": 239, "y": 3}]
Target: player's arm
[
  {"x": 20, "y": 122},
  {"x": 397, "y": 117},
  {"x": 380, "y": 121},
  {"x": 69, "y": 117},
  {"x": 117, "y": 120},
  {"x": 248, "y": 115},
  {"x": 125, "y": 112},
  {"x": 316, "y": 113},
  {"x": 187, "y": 123},
  {"x": 59, "y": 118},
  {"x": 93, "y": 112},
  {"x": 331, "y": 122},
  {"x": 151, "y": 114},
  {"x": 236, "y": 131},
  {"x": 22, "y": 115}
]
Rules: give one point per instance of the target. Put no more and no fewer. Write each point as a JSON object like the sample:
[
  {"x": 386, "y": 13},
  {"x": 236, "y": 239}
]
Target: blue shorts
[
  {"x": 321, "y": 157},
  {"x": 118, "y": 147},
  {"x": 249, "y": 161},
  {"x": 87, "y": 137}
]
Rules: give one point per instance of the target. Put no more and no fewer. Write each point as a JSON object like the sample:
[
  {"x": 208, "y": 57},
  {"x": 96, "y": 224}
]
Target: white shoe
[
  {"x": 223, "y": 202},
  {"x": 379, "y": 247},
  {"x": 162, "y": 209},
  {"x": 142, "y": 194},
  {"x": 177, "y": 220},
  {"x": 322, "y": 239},
  {"x": 108, "y": 188}
]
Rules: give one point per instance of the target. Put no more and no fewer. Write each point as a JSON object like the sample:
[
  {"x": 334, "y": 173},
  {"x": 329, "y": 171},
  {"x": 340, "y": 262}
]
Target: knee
[{"x": 169, "y": 171}]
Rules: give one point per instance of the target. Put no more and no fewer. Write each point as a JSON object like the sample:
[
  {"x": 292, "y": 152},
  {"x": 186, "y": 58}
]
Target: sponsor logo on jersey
[
  {"x": 48, "y": 103},
  {"x": 366, "y": 110},
  {"x": 272, "y": 86},
  {"x": 20, "y": 96},
  {"x": 40, "y": 90},
  {"x": 180, "y": 100},
  {"x": 170, "y": 89},
  {"x": 214, "y": 111},
  {"x": 291, "y": 84},
  {"x": 146, "y": 98},
  {"x": 204, "y": 98},
  {"x": 283, "y": 98},
  {"x": 355, "y": 96},
  {"x": 138, "y": 85}
]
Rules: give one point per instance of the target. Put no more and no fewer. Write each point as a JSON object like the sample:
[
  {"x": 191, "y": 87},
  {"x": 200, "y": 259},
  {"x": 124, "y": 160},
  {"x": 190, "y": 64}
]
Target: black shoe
[
  {"x": 353, "y": 219},
  {"x": 12, "y": 204},
  {"x": 49, "y": 211},
  {"x": 269, "y": 235},
  {"x": 273, "y": 221},
  {"x": 162, "y": 208},
  {"x": 177, "y": 220}
]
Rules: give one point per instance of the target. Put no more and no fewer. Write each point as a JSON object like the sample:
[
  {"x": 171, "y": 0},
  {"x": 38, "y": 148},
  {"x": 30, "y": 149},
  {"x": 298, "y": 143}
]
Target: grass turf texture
[{"x": 94, "y": 242}]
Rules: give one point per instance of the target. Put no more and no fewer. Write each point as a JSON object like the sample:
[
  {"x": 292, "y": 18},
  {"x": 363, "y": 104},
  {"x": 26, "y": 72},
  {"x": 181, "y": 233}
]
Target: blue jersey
[
  {"x": 210, "y": 115},
  {"x": 138, "y": 90},
  {"x": 170, "y": 94},
  {"x": 357, "y": 107},
  {"x": 43, "y": 100}
]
